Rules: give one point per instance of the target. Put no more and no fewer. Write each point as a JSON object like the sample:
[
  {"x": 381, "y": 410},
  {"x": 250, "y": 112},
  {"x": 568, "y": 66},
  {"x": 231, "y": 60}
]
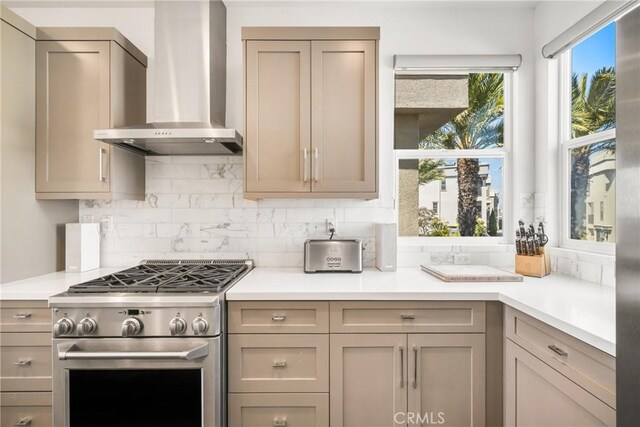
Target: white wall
[{"x": 195, "y": 206}]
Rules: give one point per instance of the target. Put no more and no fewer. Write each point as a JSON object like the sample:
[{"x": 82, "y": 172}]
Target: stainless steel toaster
[{"x": 321, "y": 256}]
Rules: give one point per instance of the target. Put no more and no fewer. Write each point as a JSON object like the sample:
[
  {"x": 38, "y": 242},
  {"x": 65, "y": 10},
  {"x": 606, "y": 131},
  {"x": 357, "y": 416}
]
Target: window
[
  {"x": 454, "y": 154},
  {"x": 588, "y": 85}
]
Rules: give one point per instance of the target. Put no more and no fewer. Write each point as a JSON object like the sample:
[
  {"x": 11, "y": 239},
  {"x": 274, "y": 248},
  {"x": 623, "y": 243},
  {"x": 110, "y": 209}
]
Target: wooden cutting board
[{"x": 471, "y": 273}]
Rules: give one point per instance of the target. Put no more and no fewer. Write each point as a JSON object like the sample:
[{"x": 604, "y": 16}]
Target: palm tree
[
  {"x": 593, "y": 109},
  {"x": 430, "y": 170},
  {"x": 480, "y": 126}
]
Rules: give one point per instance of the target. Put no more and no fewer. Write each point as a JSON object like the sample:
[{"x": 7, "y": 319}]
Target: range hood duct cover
[{"x": 189, "y": 81}]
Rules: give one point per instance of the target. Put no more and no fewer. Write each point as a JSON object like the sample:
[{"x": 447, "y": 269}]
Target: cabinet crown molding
[{"x": 310, "y": 33}]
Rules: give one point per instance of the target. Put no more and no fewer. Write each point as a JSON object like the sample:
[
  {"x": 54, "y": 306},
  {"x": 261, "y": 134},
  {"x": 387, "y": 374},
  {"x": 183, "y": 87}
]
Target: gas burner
[
  {"x": 167, "y": 276},
  {"x": 204, "y": 278}
]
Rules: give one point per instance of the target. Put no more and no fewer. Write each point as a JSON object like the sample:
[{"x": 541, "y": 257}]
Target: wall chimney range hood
[{"x": 189, "y": 79}]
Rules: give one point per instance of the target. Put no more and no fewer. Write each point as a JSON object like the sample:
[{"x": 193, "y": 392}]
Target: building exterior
[
  {"x": 441, "y": 197},
  {"x": 601, "y": 198}
]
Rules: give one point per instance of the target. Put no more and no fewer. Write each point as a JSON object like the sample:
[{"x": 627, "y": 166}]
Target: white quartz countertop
[
  {"x": 581, "y": 309},
  {"x": 42, "y": 287}
]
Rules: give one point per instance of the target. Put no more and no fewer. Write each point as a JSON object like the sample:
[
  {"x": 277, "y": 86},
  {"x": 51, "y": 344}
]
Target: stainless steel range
[{"x": 144, "y": 346}]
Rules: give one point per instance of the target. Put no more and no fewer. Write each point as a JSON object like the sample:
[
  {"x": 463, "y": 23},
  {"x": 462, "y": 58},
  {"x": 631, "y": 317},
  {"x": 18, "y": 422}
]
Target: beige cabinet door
[
  {"x": 447, "y": 379},
  {"x": 278, "y": 98},
  {"x": 343, "y": 123},
  {"x": 538, "y": 395},
  {"x": 72, "y": 99},
  {"x": 368, "y": 379}
]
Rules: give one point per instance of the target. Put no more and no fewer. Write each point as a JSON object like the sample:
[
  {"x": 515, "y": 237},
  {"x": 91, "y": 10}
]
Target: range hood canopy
[{"x": 189, "y": 79}]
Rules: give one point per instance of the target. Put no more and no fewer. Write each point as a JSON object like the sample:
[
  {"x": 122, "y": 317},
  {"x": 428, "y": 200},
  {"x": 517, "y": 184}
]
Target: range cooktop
[{"x": 210, "y": 276}]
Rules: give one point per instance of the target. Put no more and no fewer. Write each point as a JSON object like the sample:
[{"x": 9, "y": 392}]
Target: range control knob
[
  {"x": 177, "y": 326},
  {"x": 199, "y": 325},
  {"x": 63, "y": 326},
  {"x": 87, "y": 326},
  {"x": 131, "y": 326}
]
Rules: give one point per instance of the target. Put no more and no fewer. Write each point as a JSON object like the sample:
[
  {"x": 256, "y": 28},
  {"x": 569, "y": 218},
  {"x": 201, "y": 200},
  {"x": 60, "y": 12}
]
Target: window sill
[{"x": 472, "y": 244}]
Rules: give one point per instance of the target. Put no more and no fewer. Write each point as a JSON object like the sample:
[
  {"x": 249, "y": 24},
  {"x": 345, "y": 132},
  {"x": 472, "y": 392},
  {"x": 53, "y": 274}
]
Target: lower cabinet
[
  {"x": 278, "y": 409},
  {"x": 25, "y": 364},
  {"x": 538, "y": 395},
  {"x": 553, "y": 379},
  {"x": 407, "y": 379},
  {"x": 447, "y": 379},
  {"x": 368, "y": 379}
]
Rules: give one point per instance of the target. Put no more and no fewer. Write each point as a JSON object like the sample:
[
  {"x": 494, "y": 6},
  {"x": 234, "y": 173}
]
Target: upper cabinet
[
  {"x": 311, "y": 112},
  {"x": 86, "y": 79}
]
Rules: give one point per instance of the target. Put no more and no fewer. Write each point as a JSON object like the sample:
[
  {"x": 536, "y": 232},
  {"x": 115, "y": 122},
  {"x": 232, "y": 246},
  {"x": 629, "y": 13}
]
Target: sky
[{"x": 597, "y": 51}]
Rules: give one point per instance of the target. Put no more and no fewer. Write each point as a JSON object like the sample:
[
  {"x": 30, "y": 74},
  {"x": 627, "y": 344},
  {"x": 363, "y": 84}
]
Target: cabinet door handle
[
  {"x": 278, "y": 317},
  {"x": 315, "y": 165},
  {"x": 415, "y": 367},
  {"x": 23, "y": 362},
  {"x": 101, "y": 155},
  {"x": 305, "y": 161},
  {"x": 22, "y": 316},
  {"x": 407, "y": 317},
  {"x": 279, "y": 363},
  {"x": 280, "y": 421},
  {"x": 26, "y": 421},
  {"x": 557, "y": 350},
  {"x": 401, "y": 367}
]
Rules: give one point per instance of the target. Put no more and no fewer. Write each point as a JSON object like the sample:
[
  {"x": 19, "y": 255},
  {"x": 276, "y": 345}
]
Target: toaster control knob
[
  {"x": 131, "y": 326},
  {"x": 63, "y": 326},
  {"x": 87, "y": 326},
  {"x": 200, "y": 325},
  {"x": 177, "y": 326}
]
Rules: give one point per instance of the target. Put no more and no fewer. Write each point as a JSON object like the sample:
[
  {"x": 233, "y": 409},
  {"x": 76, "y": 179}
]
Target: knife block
[{"x": 534, "y": 266}]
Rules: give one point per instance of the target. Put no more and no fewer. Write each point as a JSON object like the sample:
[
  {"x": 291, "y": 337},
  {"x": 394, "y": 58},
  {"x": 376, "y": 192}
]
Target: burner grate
[
  {"x": 204, "y": 278},
  {"x": 168, "y": 276}
]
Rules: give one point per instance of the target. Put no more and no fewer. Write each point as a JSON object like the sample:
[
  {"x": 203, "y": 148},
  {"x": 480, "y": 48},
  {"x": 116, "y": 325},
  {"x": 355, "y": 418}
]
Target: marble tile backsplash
[
  {"x": 194, "y": 209},
  {"x": 587, "y": 266}
]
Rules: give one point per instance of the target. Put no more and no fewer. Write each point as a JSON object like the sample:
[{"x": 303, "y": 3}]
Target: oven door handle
[{"x": 69, "y": 352}]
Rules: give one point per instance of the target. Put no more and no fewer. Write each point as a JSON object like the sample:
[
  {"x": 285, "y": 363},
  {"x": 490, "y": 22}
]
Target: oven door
[{"x": 137, "y": 382}]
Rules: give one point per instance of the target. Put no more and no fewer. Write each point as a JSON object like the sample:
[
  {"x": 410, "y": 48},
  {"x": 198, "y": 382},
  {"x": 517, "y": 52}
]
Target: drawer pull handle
[
  {"x": 23, "y": 362},
  {"x": 26, "y": 421},
  {"x": 407, "y": 317},
  {"x": 22, "y": 315},
  {"x": 401, "y": 367},
  {"x": 279, "y": 363},
  {"x": 557, "y": 350},
  {"x": 280, "y": 421},
  {"x": 278, "y": 317},
  {"x": 415, "y": 367}
]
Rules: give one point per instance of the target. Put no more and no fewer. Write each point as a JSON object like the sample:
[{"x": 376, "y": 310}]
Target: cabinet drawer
[
  {"x": 25, "y": 316},
  {"x": 402, "y": 316},
  {"x": 279, "y": 317},
  {"x": 278, "y": 363},
  {"x": 587, "y": 366},
  {"x": 26, "y": 362},
  {"x": 279, "y": 409},
  {"x": 25, "y": 409}
]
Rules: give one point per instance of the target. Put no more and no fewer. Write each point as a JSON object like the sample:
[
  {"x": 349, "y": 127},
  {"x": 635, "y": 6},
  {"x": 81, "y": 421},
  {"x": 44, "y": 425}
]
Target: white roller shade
[
  {"x": 592, "y": 22},
  {"x": 448, "y": 63}
]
